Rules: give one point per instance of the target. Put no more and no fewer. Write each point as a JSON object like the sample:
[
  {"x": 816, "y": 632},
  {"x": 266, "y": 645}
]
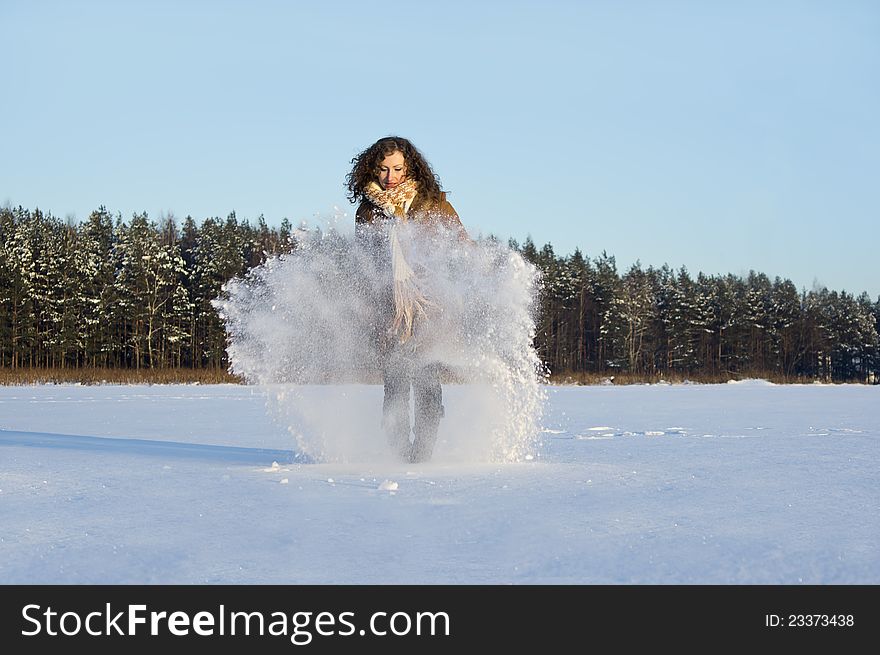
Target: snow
[
  {"x": 748, "y": 483},
  {"x": 334, "y": 289}
]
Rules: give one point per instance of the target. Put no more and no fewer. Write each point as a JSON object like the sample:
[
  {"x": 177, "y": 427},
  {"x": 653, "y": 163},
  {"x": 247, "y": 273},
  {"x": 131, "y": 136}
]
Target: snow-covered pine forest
[{"x": 136, "y": 294}]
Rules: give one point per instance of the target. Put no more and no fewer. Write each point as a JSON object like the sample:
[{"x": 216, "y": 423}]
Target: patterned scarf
[
  {"x": 409, "y": 302},
  {"x": 395, "y": 203}
]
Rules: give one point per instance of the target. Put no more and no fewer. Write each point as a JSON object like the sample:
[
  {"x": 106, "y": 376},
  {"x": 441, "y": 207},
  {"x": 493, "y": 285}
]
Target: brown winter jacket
[{"x": 422, "y": 210}]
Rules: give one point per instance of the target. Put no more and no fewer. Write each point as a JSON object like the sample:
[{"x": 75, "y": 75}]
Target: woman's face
[{"x": 392, "y": 170}]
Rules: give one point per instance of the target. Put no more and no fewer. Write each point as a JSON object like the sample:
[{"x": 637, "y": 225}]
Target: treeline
[
  {"x": 661, "y": 322},
  {"x": 108, "y": 293},
  {"x": 114, "y": 294}
]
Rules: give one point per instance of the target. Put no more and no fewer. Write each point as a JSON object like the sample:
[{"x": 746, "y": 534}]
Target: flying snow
[{"x": 315, "y": 317}]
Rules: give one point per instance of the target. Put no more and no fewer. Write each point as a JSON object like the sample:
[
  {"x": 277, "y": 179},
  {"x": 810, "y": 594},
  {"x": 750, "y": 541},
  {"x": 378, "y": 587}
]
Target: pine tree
[
  {"x": 631, "y": 318},
  {"x": 679, "y": 316},
  {"x": 94, "y": 263},
  {"x": 787, "y": 315},
  {"x": 221, "y": 253},
  {"x": 35, "y": 249},
  {"x": 11, "y": 289},
  {"x": 577, "y": 272},
  {"x": 149, "y": 278},
  {"x": 606, "y": 292},
  {"x": 757, "y": 316}
]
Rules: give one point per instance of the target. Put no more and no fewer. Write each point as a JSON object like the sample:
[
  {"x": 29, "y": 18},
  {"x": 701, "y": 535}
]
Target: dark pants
[{"x": 399, "y": 376}]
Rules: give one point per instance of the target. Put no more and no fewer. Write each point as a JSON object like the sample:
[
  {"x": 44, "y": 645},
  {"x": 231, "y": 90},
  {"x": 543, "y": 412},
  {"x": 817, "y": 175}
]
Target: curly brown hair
[{"x": 365, "y": 168}]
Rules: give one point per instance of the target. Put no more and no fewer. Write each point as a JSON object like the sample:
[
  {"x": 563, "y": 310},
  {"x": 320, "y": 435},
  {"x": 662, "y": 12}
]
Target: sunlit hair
[{"x": 365, "y": 168}]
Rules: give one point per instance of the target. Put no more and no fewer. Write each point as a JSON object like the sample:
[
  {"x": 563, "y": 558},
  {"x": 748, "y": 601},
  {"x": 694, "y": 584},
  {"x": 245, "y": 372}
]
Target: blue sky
[{"x": 720, "y": 136}]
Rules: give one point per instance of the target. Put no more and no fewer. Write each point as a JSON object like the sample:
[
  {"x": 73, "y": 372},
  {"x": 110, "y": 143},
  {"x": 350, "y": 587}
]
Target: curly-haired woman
[{"x": 394, "y": 184}]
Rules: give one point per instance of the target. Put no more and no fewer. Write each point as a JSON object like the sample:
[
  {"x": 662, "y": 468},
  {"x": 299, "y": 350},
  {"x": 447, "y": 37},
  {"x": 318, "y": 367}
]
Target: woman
[{"x": 395, "y": 185}]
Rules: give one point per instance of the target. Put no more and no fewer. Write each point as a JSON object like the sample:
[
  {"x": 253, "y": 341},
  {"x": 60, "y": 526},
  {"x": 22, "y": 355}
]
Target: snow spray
[{"x": 308, "y": 326}]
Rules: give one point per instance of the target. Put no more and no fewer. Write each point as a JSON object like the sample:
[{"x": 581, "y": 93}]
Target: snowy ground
[{"x": 681, "y": 484}]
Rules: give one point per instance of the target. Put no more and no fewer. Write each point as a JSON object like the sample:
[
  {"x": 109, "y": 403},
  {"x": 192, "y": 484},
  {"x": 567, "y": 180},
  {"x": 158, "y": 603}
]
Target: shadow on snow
[{"x": 176, "y": 449}]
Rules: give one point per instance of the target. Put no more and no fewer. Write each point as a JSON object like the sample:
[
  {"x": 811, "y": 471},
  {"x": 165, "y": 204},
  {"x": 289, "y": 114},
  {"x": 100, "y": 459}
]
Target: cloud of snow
[{"x": 316, "y": 316}]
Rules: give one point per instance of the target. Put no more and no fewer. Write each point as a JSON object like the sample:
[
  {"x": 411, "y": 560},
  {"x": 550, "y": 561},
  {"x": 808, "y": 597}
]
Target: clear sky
[{"x": 720, "y": 136}]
